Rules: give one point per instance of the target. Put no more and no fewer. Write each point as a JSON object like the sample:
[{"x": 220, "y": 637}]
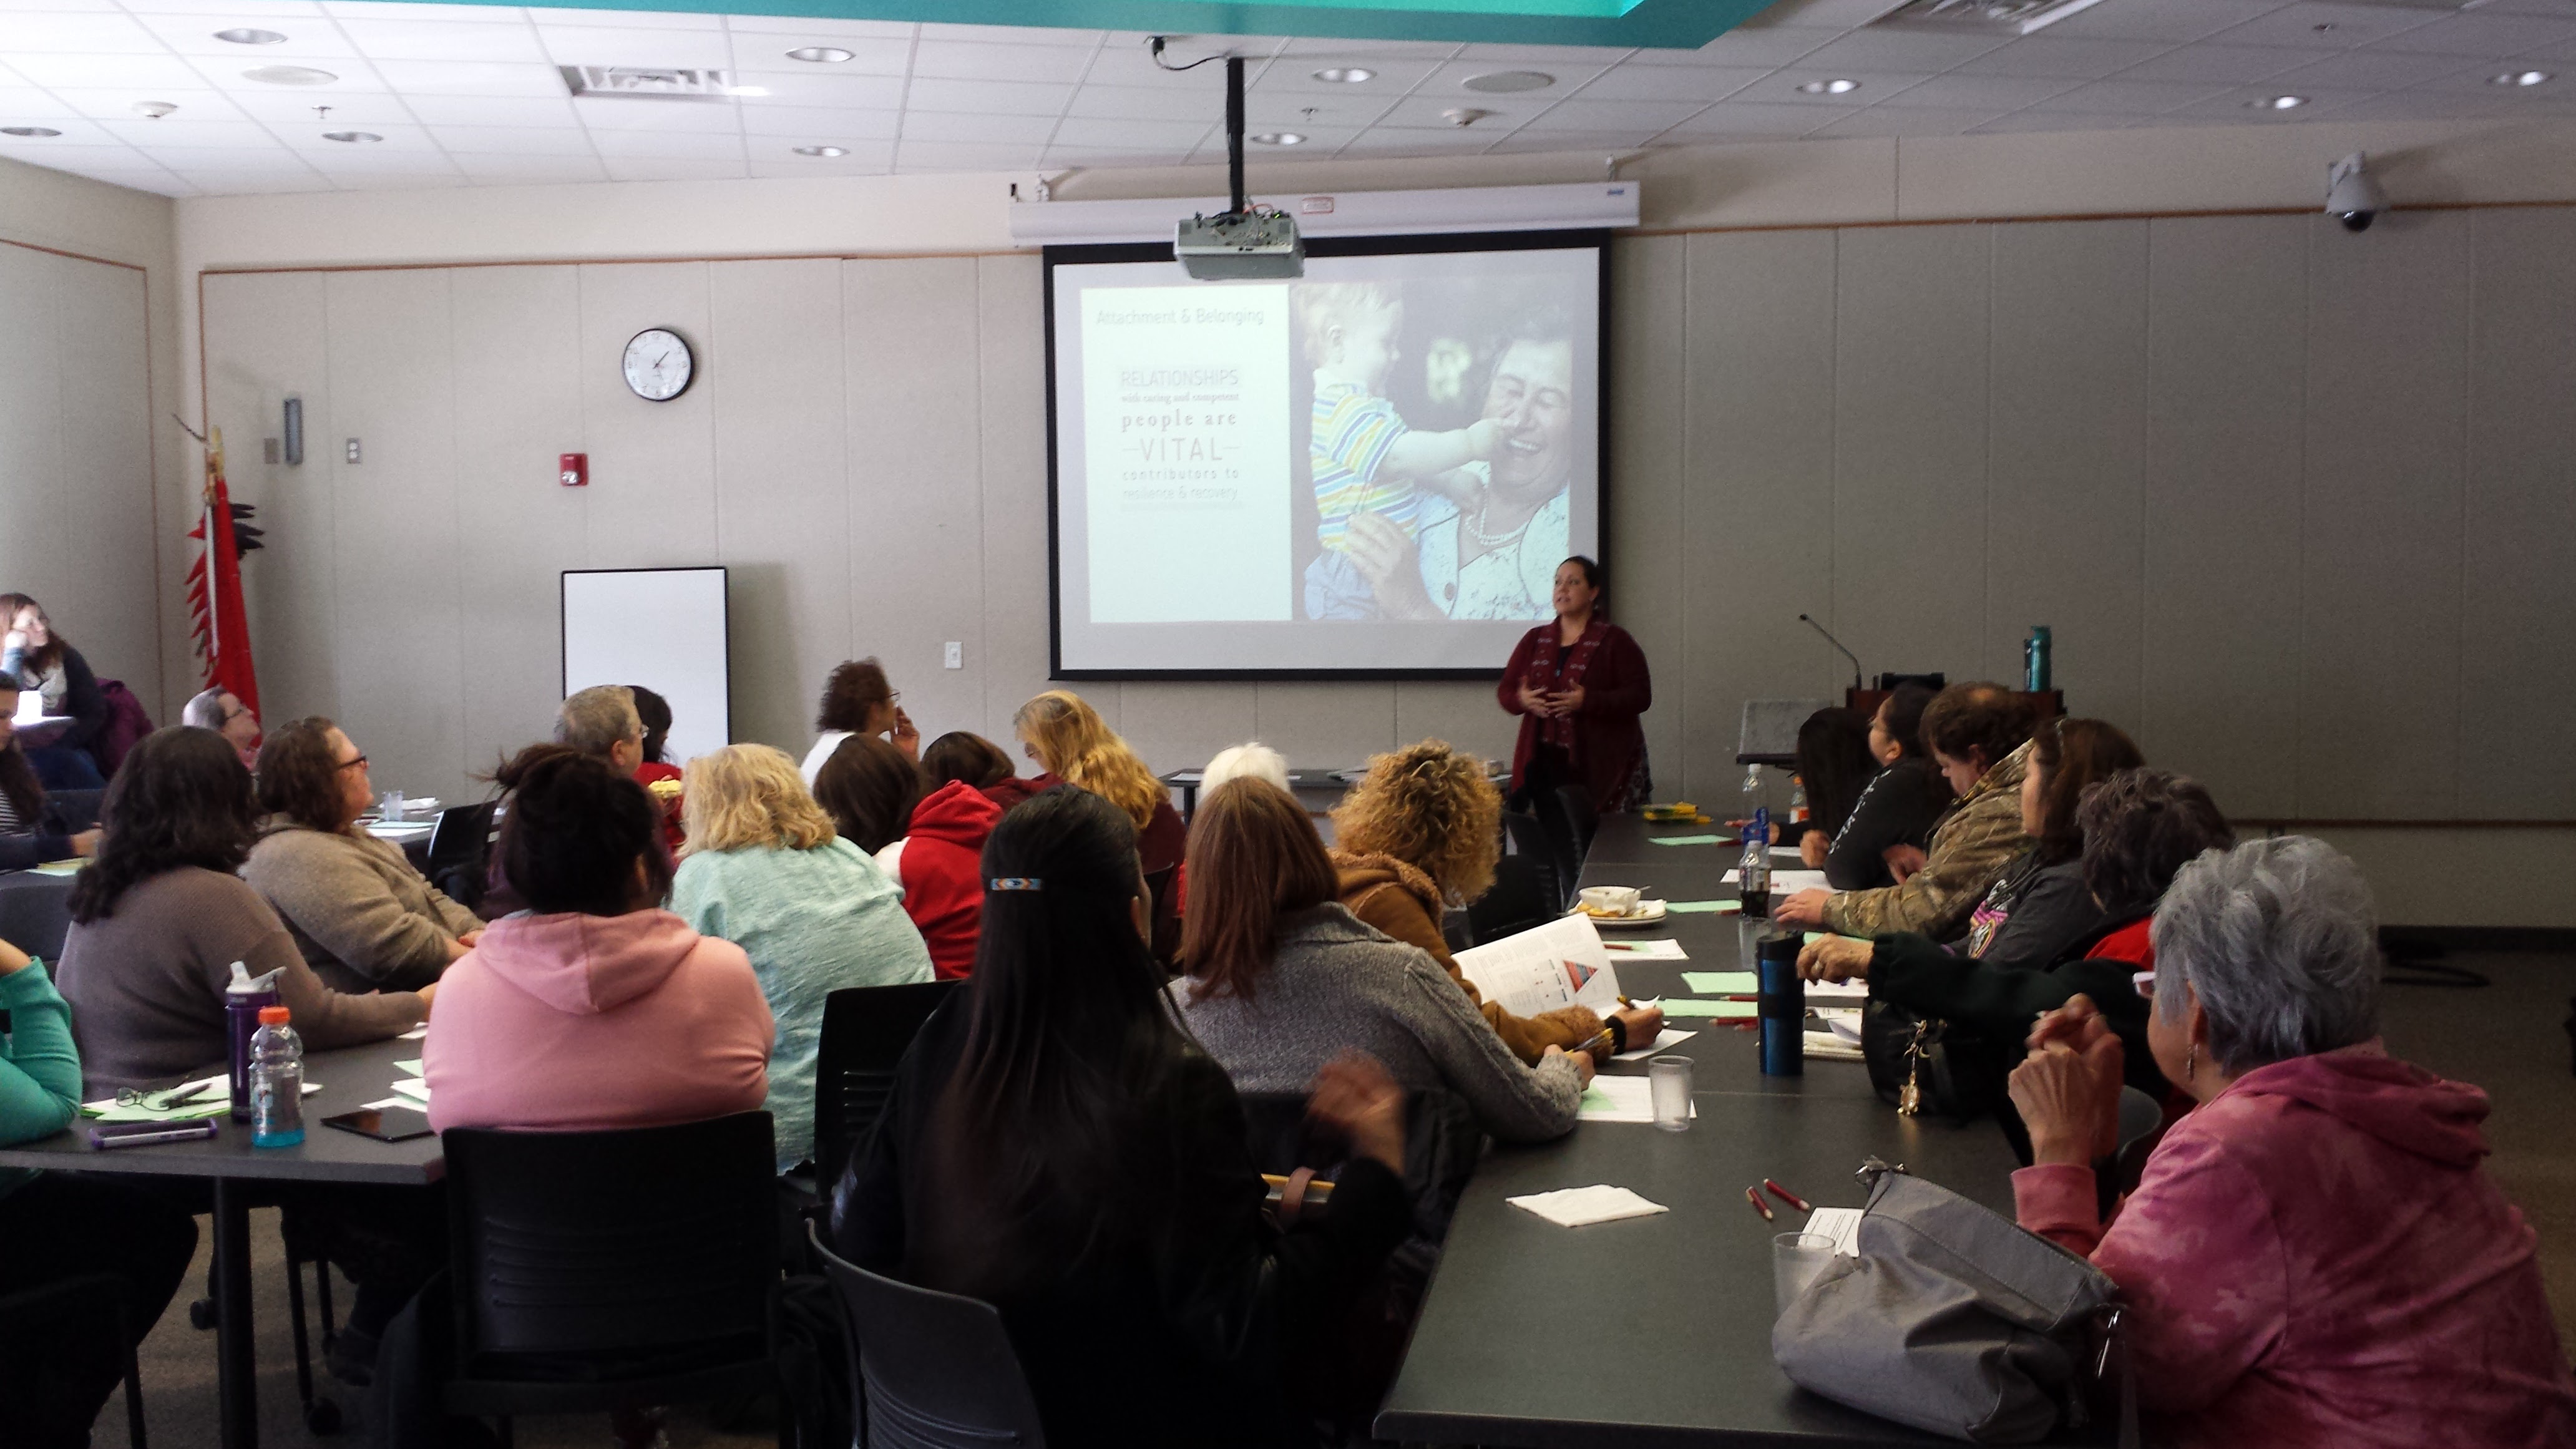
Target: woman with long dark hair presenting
[
  {"x": 1057, "y": 1146},
  {"x": 1578, "y": 685}
]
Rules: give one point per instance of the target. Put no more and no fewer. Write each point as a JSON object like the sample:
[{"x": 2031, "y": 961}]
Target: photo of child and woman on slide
[{"x": 1447, "y": 421}]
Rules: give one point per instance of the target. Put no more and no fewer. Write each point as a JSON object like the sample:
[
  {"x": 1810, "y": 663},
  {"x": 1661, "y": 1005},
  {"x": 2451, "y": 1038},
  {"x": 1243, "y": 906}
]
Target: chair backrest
[
  {"x": 1524, "y": 894},
  {"x": 866, "y": 1030},
  {"x": 462, "y": 836},
  {"x": 74, "y": 810},
  {"x": 1165, "y": 915},
  {"x": 933, "y": 1370},
  {"x": 1582, "y": 816},
  {"x": 612, "y": 1245}
]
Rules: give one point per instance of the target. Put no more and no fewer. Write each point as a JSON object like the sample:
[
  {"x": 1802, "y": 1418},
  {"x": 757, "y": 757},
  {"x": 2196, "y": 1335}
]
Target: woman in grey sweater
[{"x": 1282, "y": 979}]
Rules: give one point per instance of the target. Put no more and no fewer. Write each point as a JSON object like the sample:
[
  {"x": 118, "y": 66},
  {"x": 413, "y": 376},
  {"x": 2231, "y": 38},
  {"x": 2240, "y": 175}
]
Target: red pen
[
  {"x": 1753, "y": 1195},
  {"x": 1785, "y": 1195}
]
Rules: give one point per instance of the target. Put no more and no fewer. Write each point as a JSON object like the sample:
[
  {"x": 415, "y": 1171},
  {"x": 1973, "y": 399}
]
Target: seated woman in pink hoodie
[
  {"x": 2312, "y": 1256},
  {"x": 594, "y": 1008}
]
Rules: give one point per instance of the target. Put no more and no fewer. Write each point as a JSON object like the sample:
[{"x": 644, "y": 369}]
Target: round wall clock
[{"x": 658, "y": 365}]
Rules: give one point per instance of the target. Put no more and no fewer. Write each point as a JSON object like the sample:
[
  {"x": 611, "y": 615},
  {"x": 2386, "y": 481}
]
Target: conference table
[
  {"x": 1656, "y": 1331},
  {"x": 349, "y": 1078}
]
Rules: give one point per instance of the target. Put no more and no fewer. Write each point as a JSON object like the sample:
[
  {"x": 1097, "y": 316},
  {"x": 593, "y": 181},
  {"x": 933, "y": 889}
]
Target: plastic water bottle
[
  {"x": 2034, "y": 660},
  {"x": 276, "y": 1082},
  {"x": 244, "y": 1000},
  {"x": 1753, "y": 876},
  {"x": 1798, "y": 799}
]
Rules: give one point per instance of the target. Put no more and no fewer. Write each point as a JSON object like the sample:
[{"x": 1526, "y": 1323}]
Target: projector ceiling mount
[{"x": 1246, "y": 242}]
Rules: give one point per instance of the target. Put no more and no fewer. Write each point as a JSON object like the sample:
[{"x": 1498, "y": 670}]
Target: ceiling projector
[{"x": 1241, "y": 246}]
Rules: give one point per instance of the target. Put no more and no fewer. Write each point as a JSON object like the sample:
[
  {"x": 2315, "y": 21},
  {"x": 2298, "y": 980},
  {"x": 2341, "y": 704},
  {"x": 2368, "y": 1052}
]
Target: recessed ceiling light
[
  {"x": 1505, "y": 82},
  {"x": 154, "y": 110},
  {"x": 1346, "y": 75},
  {"x": 1278, "y": 138},
  {"x": 822, "y": 151},
  {"x": 351, "y": 138},
  {"x": 1835, "y": 87},
  {"x": 289, "y": 75},
  {"x": 28, "y": 131},
  {"x": 2277, "y": 103},
  {"x": 2518, "y": 78},
  {"x": 247, "y": 36},
  {"x": 822, "y": 54}
]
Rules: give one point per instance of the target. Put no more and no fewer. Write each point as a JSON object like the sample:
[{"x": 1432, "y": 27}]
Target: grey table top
[
  {"x": 350, "y": 1078},
  {"x": 1657, "y": 1330},
  {"x": 35, "y": 911}
]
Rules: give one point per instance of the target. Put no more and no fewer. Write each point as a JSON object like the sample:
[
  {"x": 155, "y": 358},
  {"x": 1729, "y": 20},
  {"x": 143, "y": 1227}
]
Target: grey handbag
[{"x": 1954, "y": 1320}]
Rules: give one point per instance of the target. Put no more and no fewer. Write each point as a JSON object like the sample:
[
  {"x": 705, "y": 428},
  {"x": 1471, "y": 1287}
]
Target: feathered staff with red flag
[{"x": 214, "y": 583}]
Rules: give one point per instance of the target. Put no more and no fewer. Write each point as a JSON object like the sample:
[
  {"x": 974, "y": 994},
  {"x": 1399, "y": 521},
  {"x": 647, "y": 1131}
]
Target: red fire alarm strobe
[{"x": 576, "y": 470}]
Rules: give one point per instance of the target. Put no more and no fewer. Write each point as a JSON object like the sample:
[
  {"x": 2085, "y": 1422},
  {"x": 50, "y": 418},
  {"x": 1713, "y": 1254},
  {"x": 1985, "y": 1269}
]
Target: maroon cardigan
[{"x": 1609, "y": 747}]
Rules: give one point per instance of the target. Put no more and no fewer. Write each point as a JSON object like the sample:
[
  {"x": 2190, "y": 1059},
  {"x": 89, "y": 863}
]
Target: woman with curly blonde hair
[
  {"x": 1422, "y": 830},
  {"x": 1072, "y": 743},
  {"x": 764, "y": 869}
]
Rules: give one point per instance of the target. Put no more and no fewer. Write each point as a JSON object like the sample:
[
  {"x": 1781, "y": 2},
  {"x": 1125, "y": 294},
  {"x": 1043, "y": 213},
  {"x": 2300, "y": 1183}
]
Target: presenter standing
[{"x": 1578, "y": 683}]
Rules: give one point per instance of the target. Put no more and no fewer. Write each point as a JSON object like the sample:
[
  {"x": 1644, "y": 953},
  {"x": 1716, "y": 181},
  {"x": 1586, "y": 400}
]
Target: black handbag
[{"x": 1930, "y": 1064}]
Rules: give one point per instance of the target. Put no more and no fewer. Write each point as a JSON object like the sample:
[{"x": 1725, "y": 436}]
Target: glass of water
[
  {"x": 1668, "y": 1080},
  {"x": 1797, "y": 1259},
  {"x": 393, "y": 807}
]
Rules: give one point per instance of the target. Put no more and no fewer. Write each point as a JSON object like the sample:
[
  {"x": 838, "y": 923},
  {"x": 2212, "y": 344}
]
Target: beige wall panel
[
  {"x": 2227, "y": 355},
  {"x": 1011, "y": 428},
  {"x": 916, "y": 507},
  {"x": 1760, "y": 508},
  {"x": 1647, "y": 552},
  {"x": 106, "y": 479},
  {"x": 2388, "y": 326},
  {"x": 782, "y": 498},
  {"x": 652, "y": 464},
  {"x": 1463, "y": 712},
  {"x": 1320, "y": 722},
  {"x": 269, "y": 339},
  {"x": 1179, "y": 726},
  {"x": 36, "y": 549},
  {"x": 396, "y": 592},
  {"x": 2518, "y": 595},
  {"x": 1910, "y": 459},
  {"x": 518, "y": 410},
  {"x": 2065, "y": 492}
]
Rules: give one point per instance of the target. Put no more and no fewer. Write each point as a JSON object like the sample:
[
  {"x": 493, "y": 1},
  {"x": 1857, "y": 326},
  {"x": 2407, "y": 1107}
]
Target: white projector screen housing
[
  {"x": 660, "y": 628},
  {"x": 1371, "y": 471}
]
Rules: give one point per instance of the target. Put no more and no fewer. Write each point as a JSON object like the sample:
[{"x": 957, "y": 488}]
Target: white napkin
[
  {"x": 1576, "y": 1207},
  {"x": 414, "y": 1088}
]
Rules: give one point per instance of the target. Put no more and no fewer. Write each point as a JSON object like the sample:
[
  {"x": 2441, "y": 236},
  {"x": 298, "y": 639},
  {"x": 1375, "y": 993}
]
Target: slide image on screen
[{"x": 1373, "y": 469}]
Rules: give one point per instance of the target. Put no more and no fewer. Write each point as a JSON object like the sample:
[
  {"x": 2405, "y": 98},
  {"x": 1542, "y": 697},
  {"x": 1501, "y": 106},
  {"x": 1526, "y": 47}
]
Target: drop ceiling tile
[
  {"x": 836, "y": 32},
  {"x": 656, "y": 19},
  {"x": 492, "y": 110},
  {"x": 1992, "y": 93},
  {"x": 850, "y": 92},
  {"x": 2320, "y": 22},
  {"x": 76, "y": 133},
  {"x": 399, "y": 10},
  {"x": 1450, "y": 79},
  {"x": 2027, "y": 121},
  {"x": 981, "y": 129},
  {"x": 962, "y": 156},
  {"x": 179, "y": 133},
  {"x": 1443, "y": 141},
  {"x": 30, "y": 103},
  {"x": 2170, "y": 20},
  {"x": 118, "y": 104},
  {"x": 1127, "y": 135},
  {"x": 232, "y": 11},
  {"x": 625, "y": 114},
  {"x": 1672, "y": 82},
  {"x": 797, "y": 168},
  {"x": 1003, "y": 97},
  {"x": 2128, "y": 97},
  {"x": 470, "y": 78},
  {"x": 491, "y": 170},
  {"x": 1141, "y": 103},
  {"x": 78, "y": 32},
  {"x": 2487, "y": 37},
  {"x": 1304, "y": 112},
  {"x": 1883, "y": 121},
  {"x": 1601, "y": 143},
  {"x": 2377, "y": 70},
  {"x": 1318, "y": 45},
  {"x": 2413, "y": 106},
  {"x": 1118, "y": 65},
  {"x": 1900, "y": 50},
  {"x": 306, "y": 141},
  {"x": 762, "y": 53},
  {"x": 1642, "y": 117},
  {"x": 2563, "y": 53},
  {"x": 2478, "y": 80},
  {"x": 513, "y": 140},
  {"x": 703, "y": 145},
  {"x": 312, "y": 40},
  {"x": 62, "y": 154},
  {"x": 1320, "y": 141},
  {"x": 1545, "y": 55},
  {"x": 1423, "y": 111},
  {"x": 2046, "y": 54},
  {"x": 191, "y": 160},
  {"x": 443, "y": 40},
  {"x": 834, "y": 124},
  {"x": 2241, "y": 105},
  {"x": 2225, "y": 65},
  {"x": 1394, "y": 76},
  {"x": 117, "y": 72},
  {"x": 349, "y": 108},
  {"x": 599, "y": 45},
  {"x": 1748, "y": 119},
  {"x": 643, "y": 168},
  {"x": 1766, "y": 48},
  {"x": 1780, "y": 88},
  {"x": 962, "y": 61},
  {"x": 1010, "y": 34}
]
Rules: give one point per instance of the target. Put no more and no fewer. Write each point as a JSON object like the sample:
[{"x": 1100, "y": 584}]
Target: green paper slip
[
  {"x": 1722, "y": 1010},
  {"x": 1685, "y": 908},
  {"x": 1722, "y": 983},
  {"x": 1814, "y": 936},
  {"x": 192, "y": 1112},
  {"x": 1682, "y": 840},
  {"x": 60, "y": 867},
  {"x": 410, "y": 1068}
]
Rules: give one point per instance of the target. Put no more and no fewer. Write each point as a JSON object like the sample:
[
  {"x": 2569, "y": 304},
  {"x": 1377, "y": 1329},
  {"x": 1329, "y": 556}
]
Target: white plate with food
[{"x": 1643, "y": 913}]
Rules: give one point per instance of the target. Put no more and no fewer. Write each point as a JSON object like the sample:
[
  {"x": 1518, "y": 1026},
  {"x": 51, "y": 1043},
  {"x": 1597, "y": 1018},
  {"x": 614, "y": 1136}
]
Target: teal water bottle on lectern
[{"x": 2034, "y": 660}]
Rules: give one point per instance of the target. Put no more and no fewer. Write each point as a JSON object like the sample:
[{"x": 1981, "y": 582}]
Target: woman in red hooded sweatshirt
[{"x": 932, "y": 844}]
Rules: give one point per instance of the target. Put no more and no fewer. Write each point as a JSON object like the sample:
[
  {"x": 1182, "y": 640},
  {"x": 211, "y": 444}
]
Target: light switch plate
[{"x": 955, "y": 656}]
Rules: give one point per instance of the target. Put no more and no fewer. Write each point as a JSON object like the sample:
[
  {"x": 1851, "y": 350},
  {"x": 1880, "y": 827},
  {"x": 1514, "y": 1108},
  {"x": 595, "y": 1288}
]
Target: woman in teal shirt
[
  {"x": 764, "y": 869},
  {"x": 64, "y": 1361}
]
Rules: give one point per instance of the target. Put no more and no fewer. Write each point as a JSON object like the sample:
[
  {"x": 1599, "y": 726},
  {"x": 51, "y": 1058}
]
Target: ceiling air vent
[{"x": 649, "y": 82}]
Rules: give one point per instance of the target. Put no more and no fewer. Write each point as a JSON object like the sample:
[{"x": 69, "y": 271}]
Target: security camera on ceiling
[
  {"x": 2353, "y": 196},
  {"x": 1244, "y": 242}
]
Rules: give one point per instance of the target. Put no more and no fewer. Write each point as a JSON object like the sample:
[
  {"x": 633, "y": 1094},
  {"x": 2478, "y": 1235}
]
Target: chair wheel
[
  {"x": 322, "y": 1416},
  {"x": 201, "y": 1314}
]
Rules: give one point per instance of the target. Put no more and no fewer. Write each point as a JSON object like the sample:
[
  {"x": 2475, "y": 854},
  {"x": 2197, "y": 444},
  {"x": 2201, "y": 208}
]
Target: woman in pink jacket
[
  {"x": 595, "y": 1008},
  {"x": 2312, "y": 1256}
]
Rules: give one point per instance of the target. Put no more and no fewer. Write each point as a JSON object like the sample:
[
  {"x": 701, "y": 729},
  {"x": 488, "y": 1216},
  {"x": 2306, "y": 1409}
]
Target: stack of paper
[
  {"x": 1826, "y": 1046},
  {"x": 1686, "y": 908},
  {"x": 1678, "y": 1006},
  {"x": 1841, "y": 1224},
  {"x": 1664, "y": 1041},
  {"x": 1576, "y": 1207}
]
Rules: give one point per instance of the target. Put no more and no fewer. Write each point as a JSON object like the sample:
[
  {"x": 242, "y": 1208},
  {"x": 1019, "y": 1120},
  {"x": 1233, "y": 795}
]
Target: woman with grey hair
[{"x": 2313, "y": 1255}]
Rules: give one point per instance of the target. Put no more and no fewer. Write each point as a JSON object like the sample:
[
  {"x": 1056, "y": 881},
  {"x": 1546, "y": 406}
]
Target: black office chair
[
  {"x": 74, "y": 810},
  {"x": 866, "y": 1030},
  {"x": 1523, "y": 895},
  {"x": 460, "y": 852},
  {"x": 930, "y": 1370},
  {"x": 1524, "y": 836},
  {"x": 64, "y": 1300},
  {"x": 597, "y": 1271},
  {"x": 1164, "y": 914},
  {"x": 1582, "y": 818}
]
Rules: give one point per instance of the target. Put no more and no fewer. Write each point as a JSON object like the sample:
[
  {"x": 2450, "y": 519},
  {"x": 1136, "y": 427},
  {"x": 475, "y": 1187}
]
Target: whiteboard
[{"x": 660, "y": 628}]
